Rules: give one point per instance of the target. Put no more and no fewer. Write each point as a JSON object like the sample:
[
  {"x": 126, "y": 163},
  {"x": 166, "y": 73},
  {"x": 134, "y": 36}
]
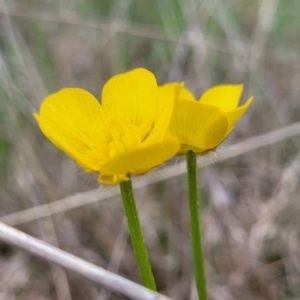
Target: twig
[{"x": 109, "y": 280}]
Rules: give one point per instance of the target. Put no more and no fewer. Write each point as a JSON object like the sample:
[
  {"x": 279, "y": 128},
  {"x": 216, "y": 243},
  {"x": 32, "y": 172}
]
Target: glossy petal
[
  {"x": 235, "y": 114},
  {"x": 225, "y": 97},
  {"x": 199, "y": 127},
  {"x": 187, "y": 94},
  {"x": 142, "y": 159},
  {"x": 167, "y": 96},
  {"x": 67, "y": 118},
  {"x": 132, "y": 95}
]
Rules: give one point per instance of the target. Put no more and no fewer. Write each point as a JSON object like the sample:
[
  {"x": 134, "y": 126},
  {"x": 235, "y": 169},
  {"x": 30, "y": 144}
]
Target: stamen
[
  {"x": 115, "y": 136},
  {"x": 112, "y": 153}
]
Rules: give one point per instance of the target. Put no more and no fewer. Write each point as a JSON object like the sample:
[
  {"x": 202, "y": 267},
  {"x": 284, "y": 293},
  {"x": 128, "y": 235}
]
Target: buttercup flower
[
  {"x": 203, "y": 125},
  {"x": 126, "y": 133}
]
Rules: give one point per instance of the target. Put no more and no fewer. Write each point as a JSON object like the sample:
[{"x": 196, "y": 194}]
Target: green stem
[
  {"x": 136, "y": 235},
  {"x": 191, "y": 163}
]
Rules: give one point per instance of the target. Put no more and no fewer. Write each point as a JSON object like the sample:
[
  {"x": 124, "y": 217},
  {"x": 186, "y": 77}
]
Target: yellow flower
[
  {"x": 203, "y": 125},
  {"x": 126, "y": 133}
]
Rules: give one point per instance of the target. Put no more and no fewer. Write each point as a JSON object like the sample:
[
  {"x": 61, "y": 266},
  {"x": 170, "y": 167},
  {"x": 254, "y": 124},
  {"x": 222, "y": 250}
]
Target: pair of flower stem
[
  {"x": 138, "y": 126},
  {"x": 137, "y": 236}
]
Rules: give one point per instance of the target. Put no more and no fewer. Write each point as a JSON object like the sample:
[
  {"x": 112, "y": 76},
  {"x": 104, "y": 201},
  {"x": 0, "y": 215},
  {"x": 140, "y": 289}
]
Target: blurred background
[{"x": 250, "y": 203}]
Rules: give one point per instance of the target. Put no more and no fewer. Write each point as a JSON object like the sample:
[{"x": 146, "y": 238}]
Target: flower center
[{"x": 116, "y": 136}]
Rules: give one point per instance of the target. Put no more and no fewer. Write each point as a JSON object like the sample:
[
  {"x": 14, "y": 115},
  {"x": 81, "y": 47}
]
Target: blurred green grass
[{"x": 251, "y": 228}]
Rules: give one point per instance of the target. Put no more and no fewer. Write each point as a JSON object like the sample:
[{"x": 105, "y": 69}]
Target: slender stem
[
  {"x": 191, "y": 164},
  {"x": 136, "y": 234}
]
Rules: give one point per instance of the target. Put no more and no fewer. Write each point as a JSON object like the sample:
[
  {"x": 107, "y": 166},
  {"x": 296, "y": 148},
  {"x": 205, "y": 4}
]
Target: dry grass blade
[
  {"x": 56, "y": 207},
  {"x": 78, "y": 200},
  {"x": 260, "y": 141},
  {"x": 109, "y": 280}
]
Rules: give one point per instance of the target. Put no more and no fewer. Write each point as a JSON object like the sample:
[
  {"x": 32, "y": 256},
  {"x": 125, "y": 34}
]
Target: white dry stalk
[{"x": 107, "y": 279}]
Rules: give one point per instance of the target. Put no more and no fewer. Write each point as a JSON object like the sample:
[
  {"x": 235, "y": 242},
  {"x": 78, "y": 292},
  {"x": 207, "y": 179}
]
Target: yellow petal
[
  {"x": 133, "y": 96},
  {"x": 187, "y": 94},
  {"x": 235, "y": 114},
  {"x": 226, "y": 97},
  {"x": 167, "y": 96},
  {"x": 66, "y": 118},
  {"x": 142, "y": 159},
  {"x": 199, "y": 127}
]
